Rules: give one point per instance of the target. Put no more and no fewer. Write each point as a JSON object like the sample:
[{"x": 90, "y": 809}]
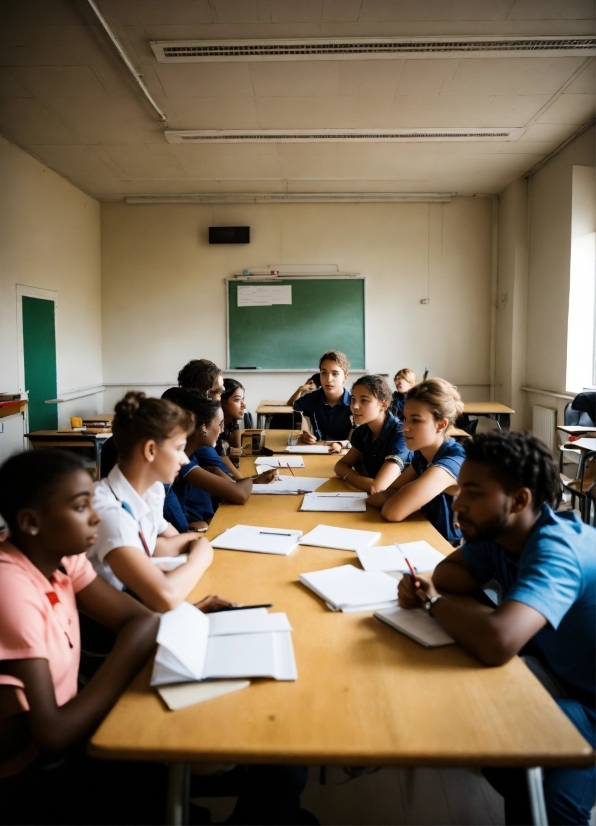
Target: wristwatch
[{"x": 428, "y": 605}]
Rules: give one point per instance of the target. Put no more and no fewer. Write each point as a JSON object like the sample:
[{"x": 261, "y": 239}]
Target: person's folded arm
[
  {"x": 388, "y": 473},
  {"x": 454, "y": 575},
  {"x": 236, "y": 493},
  {"x": 344, "y": 468},
  {"x": 412, "y": 496},
  {"x": 231, "y": 467},
  {"x": 494, "y": 637},
  {"x": 173, "y": 544},
  {"x": 377, "y": 500},
  {"x": 160, "y": 590}
]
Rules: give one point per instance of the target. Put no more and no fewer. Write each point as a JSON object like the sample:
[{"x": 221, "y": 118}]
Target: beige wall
[
  {"x": 164, "y": 294},
  {"x": 49, "y": 239}
]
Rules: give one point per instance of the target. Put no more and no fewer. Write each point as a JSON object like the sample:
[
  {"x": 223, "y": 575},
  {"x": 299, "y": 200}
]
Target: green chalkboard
[{"x": 325, "y": 314}]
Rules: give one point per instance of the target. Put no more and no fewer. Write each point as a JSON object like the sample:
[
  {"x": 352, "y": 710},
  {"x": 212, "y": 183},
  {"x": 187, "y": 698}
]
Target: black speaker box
[{"x": 229, "y": 235}]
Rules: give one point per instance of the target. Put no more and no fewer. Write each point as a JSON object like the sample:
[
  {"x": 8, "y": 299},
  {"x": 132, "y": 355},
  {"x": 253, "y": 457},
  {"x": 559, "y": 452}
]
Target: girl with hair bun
[
  {"x": 378, "y": 454},
  {"x": 150, "y": 437},
  {"x": 429, "y": 484}
]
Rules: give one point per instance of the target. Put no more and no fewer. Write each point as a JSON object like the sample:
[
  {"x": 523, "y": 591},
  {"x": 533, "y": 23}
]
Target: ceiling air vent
[
  {"x": 351, "y": 48},
  {"x": 198, "y": 136}
]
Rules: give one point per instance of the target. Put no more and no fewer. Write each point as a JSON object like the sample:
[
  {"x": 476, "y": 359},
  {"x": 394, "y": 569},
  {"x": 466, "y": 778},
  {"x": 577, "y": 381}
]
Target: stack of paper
[
  {"x": 422, "y": 556},
  {"x": 290, "y": 484},
  {"x": 341, "y": 502},
  {"x": 196, "y": 646},
  {"x": 343, "y": 539},
  {"x": 349, "y": 589},
  {"x": 416, "y": 624},
  {"x": 278, "y": 461},
  {"x": 260, "y": 540},
  {"x": 307, "y": 449}
]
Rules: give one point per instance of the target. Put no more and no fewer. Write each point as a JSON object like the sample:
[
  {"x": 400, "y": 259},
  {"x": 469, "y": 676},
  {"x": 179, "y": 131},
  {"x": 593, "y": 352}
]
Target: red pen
[{"x": 413, "y": 572}]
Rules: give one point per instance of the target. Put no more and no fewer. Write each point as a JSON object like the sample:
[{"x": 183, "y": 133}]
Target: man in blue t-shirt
[
  {"x": 328, "y": 408},
  {"x": 545, "y": 563}
]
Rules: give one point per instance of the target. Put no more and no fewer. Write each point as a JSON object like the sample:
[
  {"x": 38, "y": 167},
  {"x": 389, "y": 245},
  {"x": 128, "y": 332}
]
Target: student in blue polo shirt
[
  {"x": 378, "y": 453},
  {"x": 404, "y": 380},
  {"x": 328, "y": 408},
  {"x": 430, "y": 482},
  {"x": 545, "y": 563}
]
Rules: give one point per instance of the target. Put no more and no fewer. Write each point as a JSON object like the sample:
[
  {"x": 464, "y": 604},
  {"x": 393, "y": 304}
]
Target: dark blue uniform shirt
[
  {"x": 327, "y": 422},
  {"x": 450, "y": 456},
  {"x": 390, "y": 446}
]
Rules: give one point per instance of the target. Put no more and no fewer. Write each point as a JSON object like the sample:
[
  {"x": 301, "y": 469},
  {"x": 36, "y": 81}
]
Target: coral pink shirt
[{"x": 39, "y": 619}]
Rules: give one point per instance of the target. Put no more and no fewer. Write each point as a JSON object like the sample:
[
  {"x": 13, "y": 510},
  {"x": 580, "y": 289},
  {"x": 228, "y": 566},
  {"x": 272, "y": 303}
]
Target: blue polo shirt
[
  {"x": 390, "y": 446},
  {"x": 195, "y": 503},
  {"x": 556, "y": 575},
  {"x": 207, "y": 456},
  {"x": 172, "y": 511},
  {"x": 327, "y": 422},
  {"x": 398, "y": 401},
  {"x": 439, "y": 512}
]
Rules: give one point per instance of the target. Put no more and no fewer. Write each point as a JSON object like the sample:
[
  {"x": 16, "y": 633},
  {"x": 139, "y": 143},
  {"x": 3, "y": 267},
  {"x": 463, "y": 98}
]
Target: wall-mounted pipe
[{"x": 127, "y": 61}]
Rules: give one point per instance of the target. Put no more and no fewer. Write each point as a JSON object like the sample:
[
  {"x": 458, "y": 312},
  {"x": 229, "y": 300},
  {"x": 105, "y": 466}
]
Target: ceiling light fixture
[
  {"x": 295, "y": 198},
  {"x": 207, "y": 136}
]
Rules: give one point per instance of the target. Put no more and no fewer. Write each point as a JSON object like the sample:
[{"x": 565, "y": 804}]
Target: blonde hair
[
  {"x": 440, "y": 397},
  {"x": 407, "y": 375}
]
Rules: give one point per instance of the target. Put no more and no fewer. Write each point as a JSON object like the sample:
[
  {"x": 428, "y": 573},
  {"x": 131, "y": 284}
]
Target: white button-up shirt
[{"x": 118, "y": 528}]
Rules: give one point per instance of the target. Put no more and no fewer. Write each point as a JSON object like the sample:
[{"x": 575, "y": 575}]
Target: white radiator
[{"x": 544, "y": 423}]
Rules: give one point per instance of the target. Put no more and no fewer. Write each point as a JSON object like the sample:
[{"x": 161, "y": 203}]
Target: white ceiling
[{"x": 69, "y": 100}]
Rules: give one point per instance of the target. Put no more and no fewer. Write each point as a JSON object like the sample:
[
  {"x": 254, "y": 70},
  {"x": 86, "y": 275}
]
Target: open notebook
[
  {"x": 279, "y": 541},
  {"x": 290, "y": 485},
  {"x": 342, "y": 539},
  {"x": 307, "y": 449},
  {"x": 416, "y": 624},
  {"x": 196, "y": 646},
  {"x": 347, "y": 588},
  {"x": 338, "y": 502},
  {"x": 278, "y": 461},
  {"x": 422, "y": 556}
]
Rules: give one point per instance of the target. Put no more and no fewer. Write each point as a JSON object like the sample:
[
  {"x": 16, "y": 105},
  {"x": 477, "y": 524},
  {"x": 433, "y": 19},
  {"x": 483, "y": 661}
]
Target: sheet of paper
[
  {"x": 279, "y": 461},
  {"x": 250, "y": 621},
  {"x": 343, "y": 539},
  {"x": 169, "y": 563},
  {"x": 338, "y": 502},
  {"x": 264, "y": 296},
  {"x": 307, "y": 449},
  {"x": 189, "y": 694},
  {"x": 182, "y": 645},
  {"x": 349, "y": 588},
  {"x": 290, "y": 484},
  {"x": 258, "y": 540},
  {"x": 423, "y": 557},
  {"x": 417, "y": 624},
  {"x": 250, "y": 655}
]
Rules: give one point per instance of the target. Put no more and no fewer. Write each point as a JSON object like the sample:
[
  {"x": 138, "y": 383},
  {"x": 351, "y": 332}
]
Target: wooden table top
[
  {"x": 269, "y": 406},
  {"x": 365, "y": 695},
  {"x": 68, "y": 435},
  {"x": 483, "y": 408}
]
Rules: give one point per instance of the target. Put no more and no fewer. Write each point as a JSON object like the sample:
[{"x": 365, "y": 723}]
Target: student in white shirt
[{"x": 150, "y": 435}]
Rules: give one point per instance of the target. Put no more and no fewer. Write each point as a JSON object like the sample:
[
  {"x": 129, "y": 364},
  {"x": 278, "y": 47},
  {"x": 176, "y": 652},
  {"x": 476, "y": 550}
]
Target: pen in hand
[{"x": 413, "y": 573}]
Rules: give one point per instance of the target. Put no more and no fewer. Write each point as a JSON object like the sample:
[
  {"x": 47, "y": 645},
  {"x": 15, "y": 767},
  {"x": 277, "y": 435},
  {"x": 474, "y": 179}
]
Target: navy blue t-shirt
[
  {"x": 450, "y": 456},
  {"x": 172, "y": 511},
  {"x": 398, "y": 401},
  {"x": 207, "y": 456},
  {"x": 327, "y": 422},
  {"x": 390, "y": 446},
  {"x": 556, "y": 575},
  {"x": 196, "y": 503}
]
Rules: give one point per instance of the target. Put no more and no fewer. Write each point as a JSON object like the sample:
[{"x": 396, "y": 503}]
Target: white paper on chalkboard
[{"x": 264, "y": 296}]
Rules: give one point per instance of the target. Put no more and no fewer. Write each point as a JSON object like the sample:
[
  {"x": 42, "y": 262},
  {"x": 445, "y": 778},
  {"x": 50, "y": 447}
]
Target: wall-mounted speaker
[{"x": 229, "y": 235}]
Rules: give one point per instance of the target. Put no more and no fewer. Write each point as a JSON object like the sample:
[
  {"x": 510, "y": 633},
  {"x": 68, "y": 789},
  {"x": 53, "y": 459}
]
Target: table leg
[
  {"x": 178, "y": 794},
  {"x": 536, "y": 792},
  {"x": 504, "y": 420}
]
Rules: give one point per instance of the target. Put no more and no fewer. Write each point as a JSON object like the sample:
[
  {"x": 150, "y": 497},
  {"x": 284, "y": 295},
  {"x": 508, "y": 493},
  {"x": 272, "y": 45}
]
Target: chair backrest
[
  {"x": 247, "y": 419},
  {"x": 108, "y": 457},
  {"x": 585, "y": 404},
  {"x": 570, "y": 416}
]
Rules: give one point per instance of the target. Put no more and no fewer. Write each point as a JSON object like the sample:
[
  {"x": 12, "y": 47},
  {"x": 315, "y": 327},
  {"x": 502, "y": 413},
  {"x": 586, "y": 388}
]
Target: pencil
[
  {"x": 413, "y": 572},
  {"x": 289, "y": 467}
]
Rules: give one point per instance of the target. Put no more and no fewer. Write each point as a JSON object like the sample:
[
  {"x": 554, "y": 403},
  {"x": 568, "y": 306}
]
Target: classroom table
[
  {"x": 70, "y": 439},
  {"x": 500, "y": 413},
  {"x": 268, "y": 407},
  {"x": 365, "y": 694},
  {"x": 576, "y": 429}
]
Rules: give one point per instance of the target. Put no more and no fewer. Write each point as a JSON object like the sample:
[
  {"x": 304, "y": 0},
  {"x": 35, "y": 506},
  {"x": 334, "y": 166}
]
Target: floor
[{"x": 393, "y": 796}]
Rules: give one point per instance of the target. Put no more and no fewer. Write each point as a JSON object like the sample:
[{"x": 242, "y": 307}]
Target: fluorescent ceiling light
[
  {"x": 367, "y": 48},
  {"x": 295, "y": 198},
  {"x": 198, "y": 136}
]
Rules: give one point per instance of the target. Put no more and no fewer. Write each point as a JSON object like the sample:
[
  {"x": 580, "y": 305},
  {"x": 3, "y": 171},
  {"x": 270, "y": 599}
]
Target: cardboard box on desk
[{"x": 252, "y": 442}]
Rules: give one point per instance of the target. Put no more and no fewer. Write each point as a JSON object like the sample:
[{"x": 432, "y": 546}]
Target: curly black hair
[
  {"x": 376, "y": 386},
  {"x": 199, "y": 374},
  {"x": 193, "y": 401},
  {"x": 519, "y": 460}
]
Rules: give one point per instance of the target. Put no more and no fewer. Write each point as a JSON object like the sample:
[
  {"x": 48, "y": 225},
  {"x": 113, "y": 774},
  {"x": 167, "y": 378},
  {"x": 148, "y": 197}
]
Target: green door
[{"x": 39, "y": 348}]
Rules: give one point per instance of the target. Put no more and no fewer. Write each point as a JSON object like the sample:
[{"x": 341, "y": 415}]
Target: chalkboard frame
[{"x": 293, "y": 279}]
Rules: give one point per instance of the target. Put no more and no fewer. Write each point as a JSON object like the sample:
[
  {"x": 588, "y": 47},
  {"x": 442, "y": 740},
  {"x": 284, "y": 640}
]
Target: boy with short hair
[
  {"x": 328, "y": 408},
  {"x": 545, "y": 563}
]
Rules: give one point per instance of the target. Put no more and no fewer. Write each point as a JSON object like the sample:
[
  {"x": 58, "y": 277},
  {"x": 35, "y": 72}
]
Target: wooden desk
[
  {"x": 74, "y": 439},
  {"x": 492, "y": 410},
  {"x": 12, "y": 408},
  {"x": 270, "y": 406},
  {"x": 365, "y": 695}
]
